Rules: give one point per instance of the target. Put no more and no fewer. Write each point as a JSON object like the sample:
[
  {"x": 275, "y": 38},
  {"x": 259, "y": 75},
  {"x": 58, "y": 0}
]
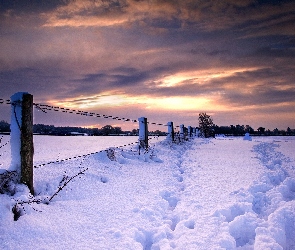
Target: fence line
[
  {"x": 45, "y": 107},
  {"x": 22, "y": 132},
  {"x": 85, "y": 155},
  {"x": 80, "y": 156},
  {"x": 93, "y": 153}
]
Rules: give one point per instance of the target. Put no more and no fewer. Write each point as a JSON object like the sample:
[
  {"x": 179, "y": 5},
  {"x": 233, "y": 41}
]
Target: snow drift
[{"x": 223, "y": 193}]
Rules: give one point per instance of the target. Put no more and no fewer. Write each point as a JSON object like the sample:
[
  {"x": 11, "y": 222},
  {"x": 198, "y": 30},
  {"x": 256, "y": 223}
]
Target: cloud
[
  {"x": 21, "y": 6},
  {"x": 43, "y": 83},
  {"x": 257, "y": 88},
  {"x": 205, "y": 15},
  {"x": 275, "y": 52},
  {"x": 197, "y": 55}
]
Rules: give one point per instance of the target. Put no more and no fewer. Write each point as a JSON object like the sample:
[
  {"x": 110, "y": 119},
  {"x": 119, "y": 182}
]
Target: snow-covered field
[
  {"x": 222, "y": 193},
  {"x": 51, "y": 148}
]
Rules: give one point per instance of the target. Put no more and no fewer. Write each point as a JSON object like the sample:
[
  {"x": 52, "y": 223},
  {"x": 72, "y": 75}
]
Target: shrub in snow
[
  {"x": 65, "y": 181},
  {"x": 24, "y": 202},
  {"x": 7, "y": 182},
  {"x": 111, "y": 154}
]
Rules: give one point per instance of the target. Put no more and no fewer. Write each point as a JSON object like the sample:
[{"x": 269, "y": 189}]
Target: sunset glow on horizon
[{"x": 165, "y": 60}]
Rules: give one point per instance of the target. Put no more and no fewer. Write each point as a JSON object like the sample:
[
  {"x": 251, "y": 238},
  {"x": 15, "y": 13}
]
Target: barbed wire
[
  {"x": 93, "y": 153},
  {"x": 1, "y": 146},
  {"x": 3, "y": 101},
  {"x": 84, "y": 155},
  {"x": 44, "y": 108}
]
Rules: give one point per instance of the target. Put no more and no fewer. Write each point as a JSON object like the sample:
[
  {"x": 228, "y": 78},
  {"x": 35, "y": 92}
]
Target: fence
[{"x": 21, "y": 135}]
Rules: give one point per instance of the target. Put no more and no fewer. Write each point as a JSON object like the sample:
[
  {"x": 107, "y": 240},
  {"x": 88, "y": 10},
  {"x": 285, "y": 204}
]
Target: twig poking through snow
[
  {"x": 19, "y": 209},
  {"x": 66, "y": 182}
]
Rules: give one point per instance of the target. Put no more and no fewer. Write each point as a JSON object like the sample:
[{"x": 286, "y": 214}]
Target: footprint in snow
[
  {"x": 179, "y": 178},
  {"x": 104, "y": 179},
  {"x": 169, "y": 196}
]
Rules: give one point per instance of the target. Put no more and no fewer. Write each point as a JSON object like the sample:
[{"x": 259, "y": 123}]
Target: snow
[
  {"x": 16, "y": 123},
  {"x": 223, "y": 193},
  {"x": 170, "y": 134},
  {"x": 142, "y": 129},
  {"x": 247, "y": 137}
]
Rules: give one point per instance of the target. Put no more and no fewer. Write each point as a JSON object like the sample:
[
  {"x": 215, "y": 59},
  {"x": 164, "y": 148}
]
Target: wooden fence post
[
  {"x": 189, "y": 131},
  {"x": 170, "y": 135},
  {"x": 181, "y": 132},
  {"x": 143, "y": 133},
  {"x": 194, "y": 132},
  {"x": 22, "y": 148},
  {"x": 197, "y": 132}
]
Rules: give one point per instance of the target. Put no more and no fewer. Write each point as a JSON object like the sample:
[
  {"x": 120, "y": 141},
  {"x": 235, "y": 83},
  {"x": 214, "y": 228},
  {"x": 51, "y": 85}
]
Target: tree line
[
  {"x": 238, "y": 130},
  {"x": 106, "y": 130},
  {"x": 206, "y": 127}
]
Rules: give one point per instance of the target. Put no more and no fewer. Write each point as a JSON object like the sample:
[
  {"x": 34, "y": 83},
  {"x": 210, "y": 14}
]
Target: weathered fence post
[
  {"x": 181, "y": 132},
  {"x": 143, "y": 133},
  {"x": 197, "y": 132},
  {"x": 170, "y": 136},
  {"x": 21, "y": 137},
  {"x": 189, "y": 131},
  {"x": 194, "y": 132}
]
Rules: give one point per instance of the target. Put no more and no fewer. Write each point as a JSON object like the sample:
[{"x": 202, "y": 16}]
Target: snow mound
[
  {"x": 266, "y": 217},
  {"x": 247, "y": 137}
]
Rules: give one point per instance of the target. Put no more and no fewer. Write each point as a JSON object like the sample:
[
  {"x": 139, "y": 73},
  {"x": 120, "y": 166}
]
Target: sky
[{"x": 164, "y": 60}]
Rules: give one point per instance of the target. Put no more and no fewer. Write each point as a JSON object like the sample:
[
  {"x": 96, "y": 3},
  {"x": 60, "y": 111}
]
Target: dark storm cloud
[
  {"x": 120, "y": 79},
  {"x": 43, "y": 83},
  {"x": 29, "y": 78},
  {"x": 117, "y": 80},
  {"x": 276, "y": 52},
  {"x": 22, "y": 6},
  {"x": 261, "y": 97},
  {"x": 218, "y": 52}
]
